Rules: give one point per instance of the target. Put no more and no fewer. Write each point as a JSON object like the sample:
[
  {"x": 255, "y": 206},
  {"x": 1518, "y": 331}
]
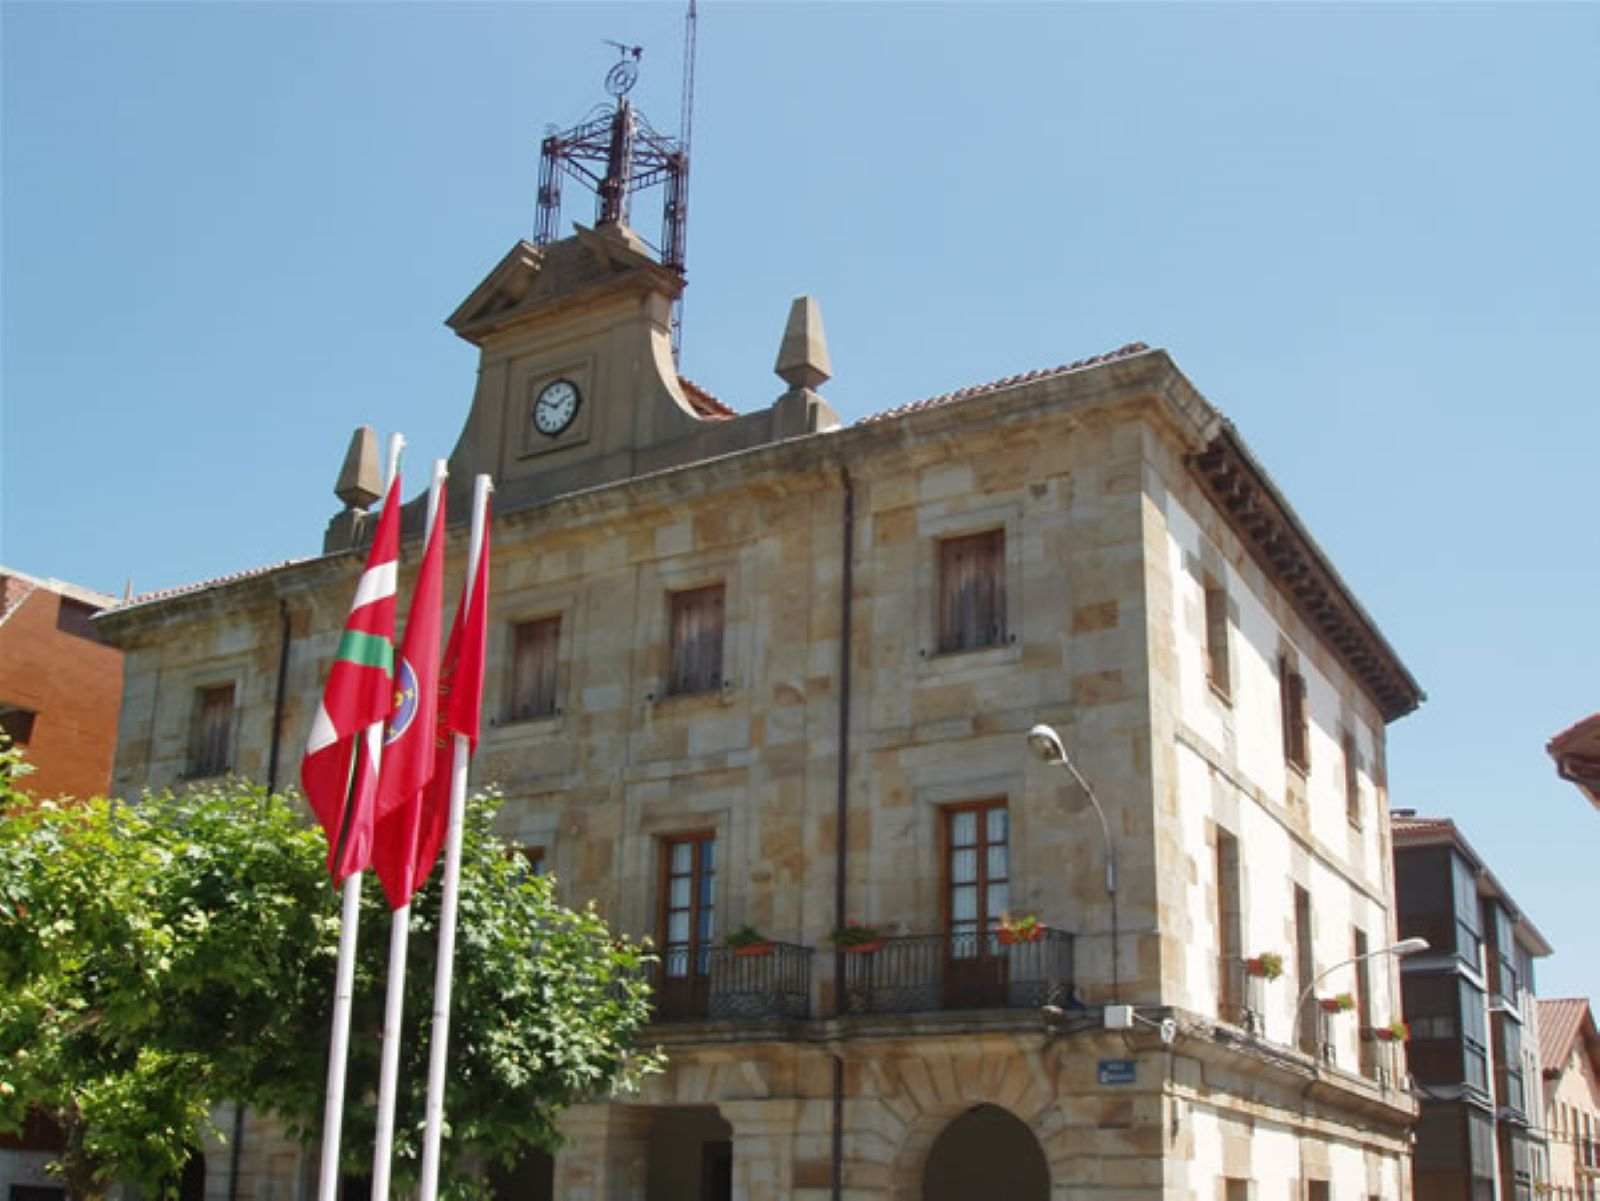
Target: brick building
[
  {"x": 60, "y": 685},
  {"x": 1474, "y": 1023}
]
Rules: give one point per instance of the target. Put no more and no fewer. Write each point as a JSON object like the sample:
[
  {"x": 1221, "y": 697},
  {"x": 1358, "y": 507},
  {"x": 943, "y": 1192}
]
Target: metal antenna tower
[
  {"x": 678, "y": 197},
  {"x": 617, "y": 153}
]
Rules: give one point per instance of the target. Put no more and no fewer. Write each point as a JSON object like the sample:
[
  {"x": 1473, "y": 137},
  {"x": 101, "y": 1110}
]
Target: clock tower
[{"x": 577, "y": 383}]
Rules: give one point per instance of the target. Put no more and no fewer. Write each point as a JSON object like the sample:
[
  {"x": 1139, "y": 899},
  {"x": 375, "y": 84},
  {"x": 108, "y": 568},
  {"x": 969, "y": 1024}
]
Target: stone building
[
  {"x": 59, "y": 684},
  {"x": 753, "y": 668},
  {"x": 1474, "y": 1019},
  {"x": 1569, "y": 1053}
]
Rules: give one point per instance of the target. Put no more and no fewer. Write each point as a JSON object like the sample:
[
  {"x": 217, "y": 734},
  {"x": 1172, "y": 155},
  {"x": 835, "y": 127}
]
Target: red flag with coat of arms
[
  {"x": 460, "y": 702},
  {"x": 408, "y": 753}
]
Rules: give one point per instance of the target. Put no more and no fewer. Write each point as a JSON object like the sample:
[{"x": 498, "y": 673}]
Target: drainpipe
[
  {"x": 842, "y": 812},
  {"x": 278, "y": 697}
]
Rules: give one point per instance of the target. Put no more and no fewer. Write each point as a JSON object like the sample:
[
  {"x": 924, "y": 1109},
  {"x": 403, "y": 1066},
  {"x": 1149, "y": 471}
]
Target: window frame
[
  {"x": 1217, "y": 645},
  {"x": 949, "y": 634},
  {"x": 515, "y": 712},
  {"x": 984, "y": 923},
  {"x": 699, "y": 946},
  {"x": 202, "y": 763},
  {"x": 683, "y": 677},
  {"x": 1294, "y": 710}
]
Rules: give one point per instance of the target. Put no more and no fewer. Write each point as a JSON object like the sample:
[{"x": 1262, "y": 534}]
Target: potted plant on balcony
[
  {"x": 748, "y": 942},
  {"x": 1020, "y": 927},
  {"x": 1338, "y": 1004},
  {"x": 1395, "y": 1032},
  {"x": 856, "y": 939},
  {"x": 1268, "y": 965}
]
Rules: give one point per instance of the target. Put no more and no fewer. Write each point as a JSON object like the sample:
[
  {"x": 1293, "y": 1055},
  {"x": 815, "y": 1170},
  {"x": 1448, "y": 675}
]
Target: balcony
[
  {"x": 928, "y": 972},
  {"x": 732, "y": 987}
]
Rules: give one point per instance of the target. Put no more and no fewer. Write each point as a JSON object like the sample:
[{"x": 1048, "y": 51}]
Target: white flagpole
[
  {"x": 399, "y": 936},
  {"x": 447, "y": 901},
  {"x": 345, "y": 975}
]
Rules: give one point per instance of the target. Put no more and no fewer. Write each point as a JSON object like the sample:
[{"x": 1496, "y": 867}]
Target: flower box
[
  {"x": 863, "y": 948},
  {"x": 754, "y": 950}
]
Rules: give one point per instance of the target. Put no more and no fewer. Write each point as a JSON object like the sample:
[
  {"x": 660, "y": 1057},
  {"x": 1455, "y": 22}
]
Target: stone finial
[
  {"x": 803, "y": 356},
  {"x": 360, "y": 482}
]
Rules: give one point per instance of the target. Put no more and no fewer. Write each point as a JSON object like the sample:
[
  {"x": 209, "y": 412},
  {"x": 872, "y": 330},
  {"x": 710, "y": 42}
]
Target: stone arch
[
  {"x": 918, "y": 1093},
  {"x": 986, "y": 1152}
]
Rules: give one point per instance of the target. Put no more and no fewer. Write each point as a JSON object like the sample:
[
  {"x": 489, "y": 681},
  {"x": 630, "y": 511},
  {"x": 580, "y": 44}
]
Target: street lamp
[
  {"x": 1046, "y": 743},
  {"x": 1406, "y": 946}
]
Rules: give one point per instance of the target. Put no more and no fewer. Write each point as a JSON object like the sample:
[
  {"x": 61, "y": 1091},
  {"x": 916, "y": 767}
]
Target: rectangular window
[
  {"x": 1218, "y": 669},
  {"x": 687, "y": 924},
  {"x": 534, "y": 645},
  {"x": 1292, "y": 700},
  {"x": 1235, "y": 1189},
  {"x": 1230, "y": 930},
  {"x": 1468, "y": 913},
  {"x": 1474, "y": 1038},
  {"x": 1316, "y": 1190},
  {"x": 1502, "y": 965},
  {"x": 977, "y": 874},
  {"x": 972, "y": 591},
  {"x": 211, "y": 745},
  {"x": 1305, "y": 970},
  {"x": 1352, "y": 779},
  {"x": 1508, "y": 1064},
  {"x": 696, "y": 641},
  {"x": 1367, "y": 1053},
  {"x": 532, "y": 858},
  {"x": 16, "y": 723}
]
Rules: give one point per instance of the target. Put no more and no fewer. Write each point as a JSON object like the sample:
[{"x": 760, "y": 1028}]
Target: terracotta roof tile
[
  {"x": 705, "y": 404},
  {"x": 201, "y": 585},
  {"x": 1010, "y": 381},
  {"x": 1408, "y": 827},
  {"x": 1561, "y": 1021}
]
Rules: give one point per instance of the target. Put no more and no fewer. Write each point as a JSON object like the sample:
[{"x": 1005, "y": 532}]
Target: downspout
[
  {"x": 236, "y": 1145},
  {"x": 278, "y": 697},
  {"x": 842, "y": 812}
]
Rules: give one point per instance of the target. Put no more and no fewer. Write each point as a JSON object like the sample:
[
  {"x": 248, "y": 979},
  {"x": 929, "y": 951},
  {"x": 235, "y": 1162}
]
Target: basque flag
[
  {"x": 408, "y": 759},
  {"x": 338, "y": 772}
]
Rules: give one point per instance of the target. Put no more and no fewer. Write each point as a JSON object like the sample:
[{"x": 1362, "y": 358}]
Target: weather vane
[{"x": 625, "y": 72}]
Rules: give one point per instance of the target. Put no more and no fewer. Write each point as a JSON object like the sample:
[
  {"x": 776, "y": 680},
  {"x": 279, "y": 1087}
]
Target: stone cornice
[{"x": 1258, "y": 514}]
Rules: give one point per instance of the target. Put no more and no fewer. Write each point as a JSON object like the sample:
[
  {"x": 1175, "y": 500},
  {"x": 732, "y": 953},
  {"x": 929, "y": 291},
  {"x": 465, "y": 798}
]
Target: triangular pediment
[{"x": 530, "y": 277}]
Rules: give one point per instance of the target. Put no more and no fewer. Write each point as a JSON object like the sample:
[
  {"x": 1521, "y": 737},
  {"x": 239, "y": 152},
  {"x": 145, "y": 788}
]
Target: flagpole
[
  {"x": 445, "y": 964},
  {"x": 399, "y": 936},
  {"x": 345, "y": 975}
]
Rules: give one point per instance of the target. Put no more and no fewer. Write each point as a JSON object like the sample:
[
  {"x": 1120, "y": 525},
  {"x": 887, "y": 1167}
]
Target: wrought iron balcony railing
[
  {"x": 721, "y": 984},
  {"x": 929, "y": 972}
]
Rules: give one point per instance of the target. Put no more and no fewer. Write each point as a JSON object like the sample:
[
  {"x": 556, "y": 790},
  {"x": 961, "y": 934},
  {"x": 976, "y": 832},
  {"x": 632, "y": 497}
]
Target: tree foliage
[{"x": 158, "y": 958}]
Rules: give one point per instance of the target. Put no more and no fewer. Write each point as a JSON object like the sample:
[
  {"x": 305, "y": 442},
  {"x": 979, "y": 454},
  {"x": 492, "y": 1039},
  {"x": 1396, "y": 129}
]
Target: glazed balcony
[
  {"x": 930, "y": 972},
  {"x": 722, "y": 984}
]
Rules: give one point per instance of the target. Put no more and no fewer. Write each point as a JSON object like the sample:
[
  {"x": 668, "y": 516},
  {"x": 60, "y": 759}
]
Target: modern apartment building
[{"x": 1473, "y": 1019}]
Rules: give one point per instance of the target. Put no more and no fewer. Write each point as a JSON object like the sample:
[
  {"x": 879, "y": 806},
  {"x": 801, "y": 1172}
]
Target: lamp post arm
[
  {"x": 1316, "y": 980},
  {"x": 1105, "y": 828}
]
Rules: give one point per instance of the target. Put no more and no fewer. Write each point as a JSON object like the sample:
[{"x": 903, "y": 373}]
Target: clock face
[{"x": 556, "y": 406}]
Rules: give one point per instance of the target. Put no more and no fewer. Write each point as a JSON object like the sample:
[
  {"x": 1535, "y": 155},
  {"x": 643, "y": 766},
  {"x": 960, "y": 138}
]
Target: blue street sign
[{"x": 1117, "y": 1071}]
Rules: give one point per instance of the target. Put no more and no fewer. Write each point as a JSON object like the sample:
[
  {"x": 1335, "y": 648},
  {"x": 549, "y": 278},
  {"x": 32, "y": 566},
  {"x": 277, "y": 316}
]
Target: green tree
[{"x": 158, "y": 958}]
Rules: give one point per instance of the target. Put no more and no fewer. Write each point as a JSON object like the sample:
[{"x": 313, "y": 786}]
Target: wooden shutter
[
  {"x": 213, "y": 731},
  {"x": 696, "y": 641},
  {"x": 972, "y": 593},
  {"x": 1217, "y": 666},
  {"x": 533, "y": 668}
]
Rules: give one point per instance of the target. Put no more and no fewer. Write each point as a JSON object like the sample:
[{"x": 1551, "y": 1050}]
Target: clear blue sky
[{"x": 1368, "y": 233}]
